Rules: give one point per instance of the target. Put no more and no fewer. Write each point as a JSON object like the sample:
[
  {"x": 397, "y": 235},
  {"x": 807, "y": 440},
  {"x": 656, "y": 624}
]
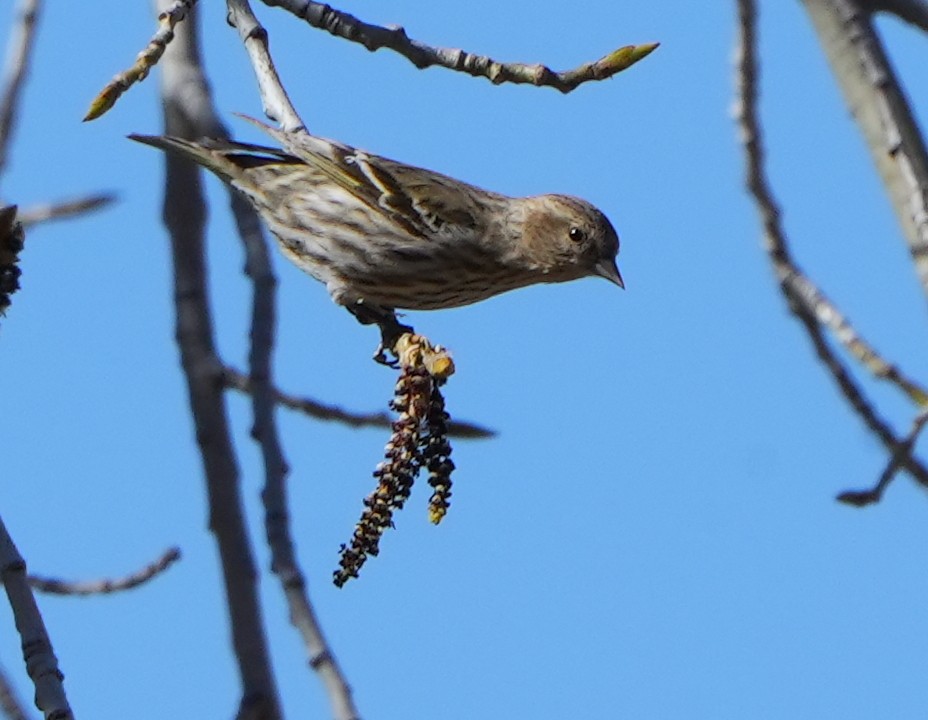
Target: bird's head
[{"x": 568, "y": 238}]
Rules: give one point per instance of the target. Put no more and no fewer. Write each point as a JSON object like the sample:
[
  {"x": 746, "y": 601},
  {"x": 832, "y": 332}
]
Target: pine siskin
[{"x": 384, "y": 236}]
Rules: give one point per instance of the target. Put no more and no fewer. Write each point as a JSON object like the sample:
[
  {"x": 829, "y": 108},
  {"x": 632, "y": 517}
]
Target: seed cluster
[
  {"x": 11, "y": 244},
  {"x": 419, "y": 440}
]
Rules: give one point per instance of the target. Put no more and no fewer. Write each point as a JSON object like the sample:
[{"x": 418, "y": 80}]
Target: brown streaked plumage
[{"x": 384, "y": 236}]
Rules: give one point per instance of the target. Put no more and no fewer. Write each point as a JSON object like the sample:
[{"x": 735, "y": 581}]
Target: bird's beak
[{"x": 609, "y": 270}]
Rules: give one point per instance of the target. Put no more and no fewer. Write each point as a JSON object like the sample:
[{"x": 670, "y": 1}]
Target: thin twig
[
  {"x": 274, "y": 98},
  {"x": 860, "y": 498},
  {"x": 19, "y": 53},
  {"x": 284, "y": 561},
  {"x": 145, "y": 60},
  {"x": 237, "y": 380},
  {"x": 55, "y": 586},
  {"x": 914, "y": 12},
  {"x": 38, "y": 654},
  {"x": 188, "y": 114},
  {"x": 10, "y": 704},
  {"x": 803, "y": 294},
  {"x": 882, "y": 112},
  {"x": 855, "y": 396},
  {"x": 793, "y": 283},
  {"x": 63, "y": 209},
  {"x": 374, "y": 37}
]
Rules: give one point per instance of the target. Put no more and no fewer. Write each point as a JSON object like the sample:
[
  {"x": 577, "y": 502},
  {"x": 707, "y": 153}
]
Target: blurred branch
[
  {"x": 10, "y": 705},
  {"x": 19, "y": 53},
  {"x": 144, "y": 62},
  {"x": 63, "y": 209},
  {"x": 903, "y": 451},
  {"x": 237, "y": 380},
  {"x": 55, "y": 586},
  {"x": 284, "y": 562},
  {"x": 881, "y": 109},
  {"x": 804, "y": 296},
  {"x": 375, "y": 37},
  {"x": 914, "y": 12},
  {"x": 274, "y": 98},
  {"x": 188, "y": 114},
  {"x": 41, "y": 663},
  {"x": 805, "y": 301}
]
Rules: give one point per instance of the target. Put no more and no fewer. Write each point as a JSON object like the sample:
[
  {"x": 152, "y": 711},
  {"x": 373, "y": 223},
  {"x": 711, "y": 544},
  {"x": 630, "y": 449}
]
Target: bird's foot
[
  {"x": 391, "y": 330},
  {"x": 381, "y": 357}
]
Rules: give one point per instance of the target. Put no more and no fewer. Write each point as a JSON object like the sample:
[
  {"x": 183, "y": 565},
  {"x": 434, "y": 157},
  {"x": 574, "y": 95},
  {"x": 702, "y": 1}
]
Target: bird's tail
[{"x": 228, "y": 160}]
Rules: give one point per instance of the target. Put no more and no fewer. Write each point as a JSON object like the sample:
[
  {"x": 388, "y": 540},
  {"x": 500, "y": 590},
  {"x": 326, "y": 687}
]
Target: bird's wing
[{"x": 420, "y": 201}]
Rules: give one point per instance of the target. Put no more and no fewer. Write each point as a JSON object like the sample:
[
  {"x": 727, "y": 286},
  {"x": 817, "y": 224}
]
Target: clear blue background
[{"x": 653, "y": 534}]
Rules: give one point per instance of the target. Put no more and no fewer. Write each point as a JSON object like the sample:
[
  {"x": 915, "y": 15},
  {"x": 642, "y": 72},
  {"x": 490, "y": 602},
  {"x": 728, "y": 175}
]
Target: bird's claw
[
  {"x": 380, "y": 356},
  {"x": 390, "y": 332}
]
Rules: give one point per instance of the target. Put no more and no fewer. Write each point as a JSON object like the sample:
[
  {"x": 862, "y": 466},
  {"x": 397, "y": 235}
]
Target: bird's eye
[{"x": 576, "y": 234}]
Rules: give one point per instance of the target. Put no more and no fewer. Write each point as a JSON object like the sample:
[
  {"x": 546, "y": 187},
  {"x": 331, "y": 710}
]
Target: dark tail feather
[
  {"x": 226, "y": 159},
  {"x": 199, "y": 152}
]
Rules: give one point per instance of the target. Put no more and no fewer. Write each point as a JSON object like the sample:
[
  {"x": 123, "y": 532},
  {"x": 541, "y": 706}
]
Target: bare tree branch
[
  {"x": 19, "y": 54},
  {"x": 56, "y": 586},
  {"x": 10, "y": 705},
  {"x": 64, "y": 209},
  {"x": 264, "y": 430},
  {"x": 881, "y": 109},
  {"x": 860, "y": 498},
  {"x": 806, "y": 294},
  {"x": 276, "y": 507},
  {"x": 796, "y": 287},
  {"x": 41, "y": 663},
  {"x": 274, "y": 98},
  {"x": 144, "y": 62},
  {"x": 237, "y": 380},
  {"x": 858, "y": 401},
  {"x": 188, "y": 113},
  {"x": 375, "y": 37},
  {"x": 914, "y": 12}
]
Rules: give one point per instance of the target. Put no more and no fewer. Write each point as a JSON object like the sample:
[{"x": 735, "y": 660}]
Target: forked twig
[
  {"x": 902, "y": 453},
  {"x": 805, "y": 301}
]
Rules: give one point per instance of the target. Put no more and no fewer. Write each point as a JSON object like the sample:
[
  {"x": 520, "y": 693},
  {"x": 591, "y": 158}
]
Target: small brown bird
[{"x": 384, "y": 236}]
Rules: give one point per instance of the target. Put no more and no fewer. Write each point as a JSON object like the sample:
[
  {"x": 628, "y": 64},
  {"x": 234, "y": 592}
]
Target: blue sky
[{"x": 652, "y": 534}]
